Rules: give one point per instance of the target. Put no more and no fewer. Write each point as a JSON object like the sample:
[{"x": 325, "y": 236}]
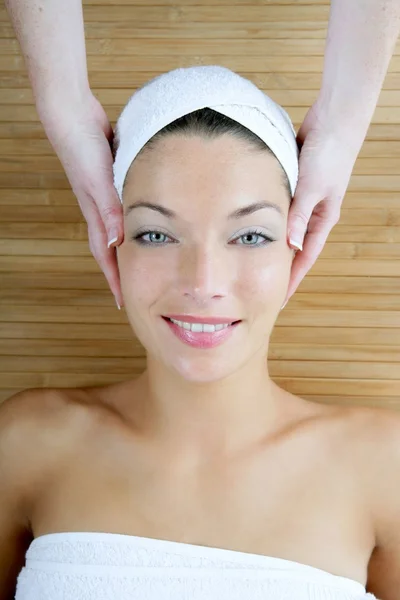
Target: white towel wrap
[
  {"x": 110, "y": 566},
  {"x": 176, "y": 93}
]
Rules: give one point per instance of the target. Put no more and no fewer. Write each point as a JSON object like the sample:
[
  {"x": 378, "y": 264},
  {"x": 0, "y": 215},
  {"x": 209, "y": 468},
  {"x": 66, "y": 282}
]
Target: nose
[{"x": 204, "y": 273}]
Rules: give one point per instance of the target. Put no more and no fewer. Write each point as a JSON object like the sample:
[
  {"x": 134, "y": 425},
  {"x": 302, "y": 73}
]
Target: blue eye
[
  {"x": 158, "y": 238},
  {"x": 254, "y": 233},
  {"x": 154, "y": 237}
]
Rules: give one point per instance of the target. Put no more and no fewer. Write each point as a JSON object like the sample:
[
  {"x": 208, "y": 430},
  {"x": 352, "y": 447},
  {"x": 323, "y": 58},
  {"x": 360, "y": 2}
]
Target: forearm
[
  {"x": 52, "y": 39},
  {"x": 361, "y": 40}
]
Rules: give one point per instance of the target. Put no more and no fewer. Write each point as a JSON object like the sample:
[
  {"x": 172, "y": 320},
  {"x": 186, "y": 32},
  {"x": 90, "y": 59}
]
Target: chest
[{"x": 288, "y": 500}]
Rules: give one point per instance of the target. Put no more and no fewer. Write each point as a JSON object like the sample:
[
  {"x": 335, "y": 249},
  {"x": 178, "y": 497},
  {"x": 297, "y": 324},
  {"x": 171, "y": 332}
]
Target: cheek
[
  {"x": 264, "y": 279},
  {"x": 143, "y": 275}
]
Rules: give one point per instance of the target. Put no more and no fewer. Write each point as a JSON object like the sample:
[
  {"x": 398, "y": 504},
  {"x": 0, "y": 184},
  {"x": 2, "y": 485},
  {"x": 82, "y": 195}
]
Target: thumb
[
  {"x": 111, "y": 212},
  {"x": 300, "y": 212}
]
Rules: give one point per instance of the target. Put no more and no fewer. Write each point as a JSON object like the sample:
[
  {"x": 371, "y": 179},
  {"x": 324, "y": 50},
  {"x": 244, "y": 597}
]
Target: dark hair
[{"x": 210, "y": 124}]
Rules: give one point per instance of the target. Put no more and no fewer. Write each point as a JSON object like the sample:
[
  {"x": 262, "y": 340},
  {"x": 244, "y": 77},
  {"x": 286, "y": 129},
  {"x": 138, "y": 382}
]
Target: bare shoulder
[
  {"x": 37, "y": 426},
  {"x": 371, "y": 434},
  {"x": 368, "y": 438},
  {"x": 370, "y": 425},
  {"x": 34, "y": 429},
  {"x": 37, "y": 406},
  {"x": 377, "y": 431},
  {"x": 377, "y": 448}
]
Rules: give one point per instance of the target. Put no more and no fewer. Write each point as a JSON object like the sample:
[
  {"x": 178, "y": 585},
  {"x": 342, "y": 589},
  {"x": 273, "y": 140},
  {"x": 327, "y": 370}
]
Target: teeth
[{"x": 201, "y": 327}]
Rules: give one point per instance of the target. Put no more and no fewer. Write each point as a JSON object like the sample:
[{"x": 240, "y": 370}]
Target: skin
[
  {"x": 208, "y": 272},
  {"x": 360, "y": 42},
  {"x": 203, "y": 447}
]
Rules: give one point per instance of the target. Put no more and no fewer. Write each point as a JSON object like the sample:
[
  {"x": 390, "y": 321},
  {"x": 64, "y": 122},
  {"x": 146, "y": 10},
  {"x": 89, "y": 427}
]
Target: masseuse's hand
[
  {"x": 52, "y": 40},
  {"x": 81, "y": 136},
  {"x": 327, "y": 158},
  {"x": 361, "y": 39}
]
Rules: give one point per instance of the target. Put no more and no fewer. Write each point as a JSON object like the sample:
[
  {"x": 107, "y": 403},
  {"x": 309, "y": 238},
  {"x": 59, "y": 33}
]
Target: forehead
[{"x": 216, "y": 167}]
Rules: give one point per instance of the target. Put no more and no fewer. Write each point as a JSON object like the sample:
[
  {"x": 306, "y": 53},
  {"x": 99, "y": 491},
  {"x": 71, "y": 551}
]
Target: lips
[{"x": 201, "y": 339}]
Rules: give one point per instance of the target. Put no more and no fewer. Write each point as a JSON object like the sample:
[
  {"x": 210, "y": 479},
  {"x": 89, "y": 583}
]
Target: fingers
[
  {"x": 112, "y": 217},
  {"x": 82, "y": 139},
  {"x": 314, "y": 242},
  {"x": 300, "y": 212},
  {"x": 105, "y": 256},
  {"x": 108, "y": 205},
  {"x": 103, "y": 212},
  {"x": 111, "y": 213},
  {"x": 104, "y": 193}
]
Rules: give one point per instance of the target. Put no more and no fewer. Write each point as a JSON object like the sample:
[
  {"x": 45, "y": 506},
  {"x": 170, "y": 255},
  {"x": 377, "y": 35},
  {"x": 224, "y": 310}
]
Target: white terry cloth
[
  {"x": 176, "y": 93},
  {"x": 110, "y": 566}
]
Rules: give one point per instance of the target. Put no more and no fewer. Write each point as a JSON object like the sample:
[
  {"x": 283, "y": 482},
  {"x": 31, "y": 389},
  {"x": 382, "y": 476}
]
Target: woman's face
[{"x": 204, "y": 261}]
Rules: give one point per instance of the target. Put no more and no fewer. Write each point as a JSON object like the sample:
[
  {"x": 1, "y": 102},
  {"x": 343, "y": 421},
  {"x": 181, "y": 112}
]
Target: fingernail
[
  {"x": 283, "y": 305},
  {"x": 119, "y": 308},
  {"x": 112, "y": 237},
  {"x": 296, "y": 244}
]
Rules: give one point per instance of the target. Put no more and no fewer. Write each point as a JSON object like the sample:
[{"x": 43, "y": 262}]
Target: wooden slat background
[{"x": 338, "y": 339}]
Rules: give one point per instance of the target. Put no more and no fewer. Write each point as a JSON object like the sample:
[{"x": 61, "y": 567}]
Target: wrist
[
  {"x": 55, "y": 103},
  {"x": 343, "y": 112},
  {"x": 343, "y": 118}
]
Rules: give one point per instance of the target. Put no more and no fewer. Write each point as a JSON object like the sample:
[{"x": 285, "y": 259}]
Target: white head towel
[{"x": 181, "y": 91}]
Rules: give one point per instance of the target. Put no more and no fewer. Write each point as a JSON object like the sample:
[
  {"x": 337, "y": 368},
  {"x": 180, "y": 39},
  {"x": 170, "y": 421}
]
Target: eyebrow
[{"x": 237, "y": 214}]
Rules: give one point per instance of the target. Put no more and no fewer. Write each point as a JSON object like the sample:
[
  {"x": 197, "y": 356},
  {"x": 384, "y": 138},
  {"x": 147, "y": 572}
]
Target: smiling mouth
[{"x": 201, "y": 327}]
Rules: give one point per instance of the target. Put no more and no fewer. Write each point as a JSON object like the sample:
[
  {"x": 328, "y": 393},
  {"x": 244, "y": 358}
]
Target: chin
[{"x": 203, "y": 370}]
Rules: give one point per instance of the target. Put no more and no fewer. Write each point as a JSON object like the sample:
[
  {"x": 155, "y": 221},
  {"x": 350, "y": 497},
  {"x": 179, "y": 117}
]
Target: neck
[{"x": 220, "y": 417}]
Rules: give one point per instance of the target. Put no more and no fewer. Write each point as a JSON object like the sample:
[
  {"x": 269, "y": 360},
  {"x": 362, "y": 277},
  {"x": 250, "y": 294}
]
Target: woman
[
  {"x": 361, "y": 38},
  {"x": 201, "y": 478}
]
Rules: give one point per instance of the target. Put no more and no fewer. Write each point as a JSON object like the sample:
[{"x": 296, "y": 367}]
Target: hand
[
  {"x": 81, "y": 135},
  {"x": 327, "y": 156}
]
